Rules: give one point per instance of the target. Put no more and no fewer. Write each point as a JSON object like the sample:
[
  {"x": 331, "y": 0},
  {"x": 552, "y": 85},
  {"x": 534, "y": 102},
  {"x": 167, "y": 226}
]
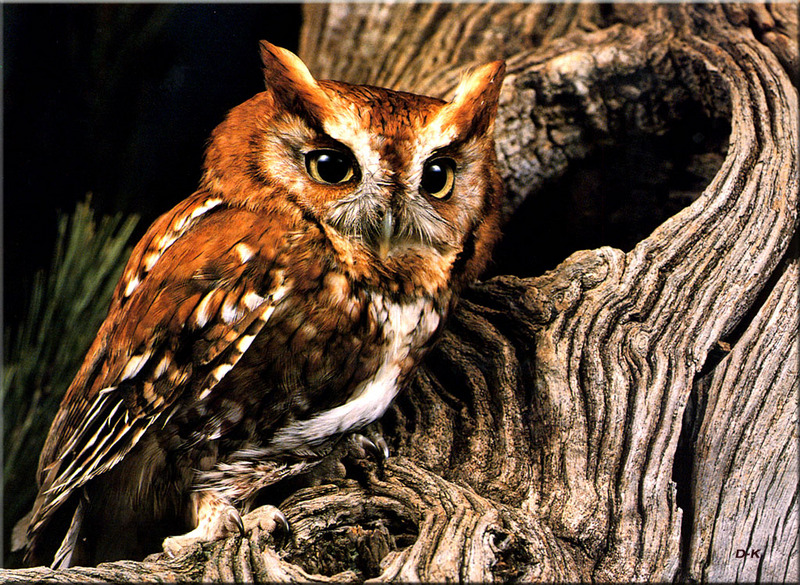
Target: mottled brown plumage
[{"x": 280, "y": 307}]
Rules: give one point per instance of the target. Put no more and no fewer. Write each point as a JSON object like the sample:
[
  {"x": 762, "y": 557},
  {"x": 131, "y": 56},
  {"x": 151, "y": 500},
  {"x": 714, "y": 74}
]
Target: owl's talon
[
  {"x": 377, "y": 448},
  {"x": 283, "y": 523},
  {"x": 268, "y": 519},
  {"x": 282, "y": 528},
  {"x": 168, "y": 548},
  {"x": 383, "y": 448},
  {"x": 233, "y": 521}
]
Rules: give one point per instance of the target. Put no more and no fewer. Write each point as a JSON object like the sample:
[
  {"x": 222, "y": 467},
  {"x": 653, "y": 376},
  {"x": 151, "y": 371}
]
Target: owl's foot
[
  {"x": 215, "y": 518},
  {"x": 267, "y": 519},
  {"x": 374, "y": 445},
  {"x": 369, "y": 444},
  {"x": 370, "y": 441}
]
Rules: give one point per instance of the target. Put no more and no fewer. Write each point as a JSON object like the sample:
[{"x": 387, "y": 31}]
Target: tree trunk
[{"x": 632, "y": 413}]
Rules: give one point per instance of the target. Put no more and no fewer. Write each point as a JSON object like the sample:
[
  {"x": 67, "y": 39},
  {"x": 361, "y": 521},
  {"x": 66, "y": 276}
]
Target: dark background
[{"x": 117, "y": 101}]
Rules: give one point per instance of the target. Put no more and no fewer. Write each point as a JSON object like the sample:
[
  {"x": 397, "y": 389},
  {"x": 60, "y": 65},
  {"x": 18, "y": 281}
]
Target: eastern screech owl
[{"x": 280, "y": 307}]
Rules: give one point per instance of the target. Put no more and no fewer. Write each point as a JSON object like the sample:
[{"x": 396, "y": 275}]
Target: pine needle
[{"x": 67, "y": 305}]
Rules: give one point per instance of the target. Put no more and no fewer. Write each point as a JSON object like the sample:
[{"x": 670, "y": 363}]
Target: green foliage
[{"x": 66, "y": 307}]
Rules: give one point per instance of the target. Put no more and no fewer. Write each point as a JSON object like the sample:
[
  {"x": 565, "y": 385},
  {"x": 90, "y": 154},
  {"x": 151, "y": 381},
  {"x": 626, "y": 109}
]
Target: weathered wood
[{"x": 629, "y": 415}]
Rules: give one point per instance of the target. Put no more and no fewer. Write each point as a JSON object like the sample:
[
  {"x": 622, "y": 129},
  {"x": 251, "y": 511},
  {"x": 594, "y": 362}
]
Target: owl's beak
[{"x": 387, "y": 230}]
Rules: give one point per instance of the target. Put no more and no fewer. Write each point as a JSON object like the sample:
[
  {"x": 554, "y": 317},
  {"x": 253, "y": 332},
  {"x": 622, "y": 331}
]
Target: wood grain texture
[{"x": 630, "y": 414}]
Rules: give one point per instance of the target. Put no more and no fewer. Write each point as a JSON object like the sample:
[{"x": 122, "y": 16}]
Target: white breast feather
[{"x": 405, "y": 325}]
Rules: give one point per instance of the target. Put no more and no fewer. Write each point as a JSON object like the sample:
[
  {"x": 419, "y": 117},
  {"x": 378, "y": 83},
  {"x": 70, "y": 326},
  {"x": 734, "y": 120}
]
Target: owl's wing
[{"x": 197, "y": 290}]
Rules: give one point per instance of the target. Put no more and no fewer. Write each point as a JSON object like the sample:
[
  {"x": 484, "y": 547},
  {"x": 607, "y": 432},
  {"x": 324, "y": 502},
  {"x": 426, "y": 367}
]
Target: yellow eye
[
  {"x": 438, "y": 177},
  {"x": 330, "y": 166}
]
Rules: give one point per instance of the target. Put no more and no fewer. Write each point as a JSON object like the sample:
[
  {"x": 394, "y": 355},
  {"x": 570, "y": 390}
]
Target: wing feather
[{"x": 190, "y": 299}]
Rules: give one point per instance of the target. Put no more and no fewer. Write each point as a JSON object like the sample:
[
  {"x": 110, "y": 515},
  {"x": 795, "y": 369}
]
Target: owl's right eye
[{"x": 330, "y": 167}]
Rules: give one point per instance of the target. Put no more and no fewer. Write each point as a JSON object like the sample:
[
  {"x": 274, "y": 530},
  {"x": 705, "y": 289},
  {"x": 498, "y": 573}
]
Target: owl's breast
[
  {"x": 330, "y": 359},
  {"x": 404, "y": 329}
]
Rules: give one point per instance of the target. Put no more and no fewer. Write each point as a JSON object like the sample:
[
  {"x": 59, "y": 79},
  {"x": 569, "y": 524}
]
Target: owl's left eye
[
  {"x": 438, "y": 177},
  {"x": 330, "y": 166}
]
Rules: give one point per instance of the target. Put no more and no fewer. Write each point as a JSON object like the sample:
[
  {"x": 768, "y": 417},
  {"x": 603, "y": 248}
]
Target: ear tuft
[
  {"x": 280, "y": 63},
  {"x": 474, "y": 105},
  {"x": 481, "y": 84},
  {"x": 290, "y": 81}
]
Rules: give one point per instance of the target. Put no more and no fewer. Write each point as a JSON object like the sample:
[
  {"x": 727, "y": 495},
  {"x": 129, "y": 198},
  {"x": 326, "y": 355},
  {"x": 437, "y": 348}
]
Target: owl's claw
[
  {"x": 218, "y": 519},
  {"x": 284, "y": 524},
  {"x": 173, "y": 547},
  {"x": 370, "y": 445},
  {"x": 267, "y": 519},
  {"x": 375, "y": 446},
  {"x": 370, "y": 441},
  {"x": 233, "y": 521}
]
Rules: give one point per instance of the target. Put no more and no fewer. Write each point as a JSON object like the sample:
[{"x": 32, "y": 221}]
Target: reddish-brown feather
[{"x": 154, "y": 314}]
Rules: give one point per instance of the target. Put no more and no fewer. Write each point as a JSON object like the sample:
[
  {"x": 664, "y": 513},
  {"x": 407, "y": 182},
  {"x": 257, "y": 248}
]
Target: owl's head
[{"x": 389, "y": 172}]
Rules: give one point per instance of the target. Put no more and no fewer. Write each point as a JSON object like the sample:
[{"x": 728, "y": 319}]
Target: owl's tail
[
  {"x": 39, "y": 546},
  {"x": 64, "y": 554}
]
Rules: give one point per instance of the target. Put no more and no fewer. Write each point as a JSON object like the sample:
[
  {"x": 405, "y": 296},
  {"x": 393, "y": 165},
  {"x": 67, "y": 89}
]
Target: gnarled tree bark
[{"x": 632, "y": 413}]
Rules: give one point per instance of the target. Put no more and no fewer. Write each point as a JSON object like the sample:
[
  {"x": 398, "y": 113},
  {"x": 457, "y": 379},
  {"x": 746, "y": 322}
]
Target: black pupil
[
  {"x": 332, "y": 167},
  {"x": 434, "y": 178}
]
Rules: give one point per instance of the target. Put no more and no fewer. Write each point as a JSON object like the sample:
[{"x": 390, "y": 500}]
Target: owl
[{"x": 278, "y": 309}]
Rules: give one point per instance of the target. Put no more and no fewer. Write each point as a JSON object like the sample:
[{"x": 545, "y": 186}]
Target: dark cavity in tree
[{"x": 634, "y": 179}]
